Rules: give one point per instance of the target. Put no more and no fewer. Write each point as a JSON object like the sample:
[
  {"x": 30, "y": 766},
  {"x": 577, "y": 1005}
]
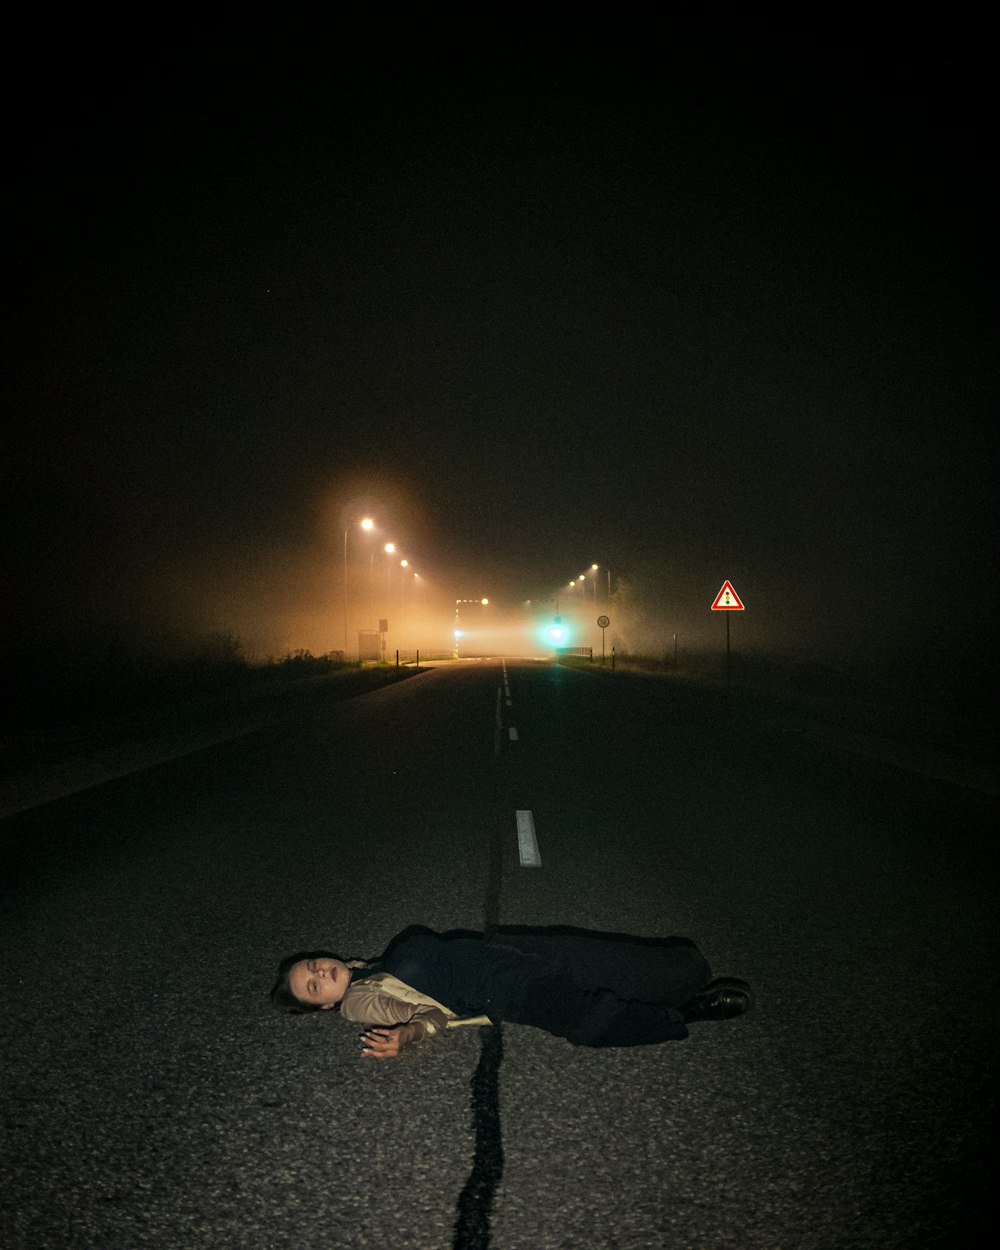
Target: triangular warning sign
[{"x": 727, "y": 600}]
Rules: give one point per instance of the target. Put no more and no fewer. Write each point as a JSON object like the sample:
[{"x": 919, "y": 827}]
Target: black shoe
[{"x": 720, "y": 1000}]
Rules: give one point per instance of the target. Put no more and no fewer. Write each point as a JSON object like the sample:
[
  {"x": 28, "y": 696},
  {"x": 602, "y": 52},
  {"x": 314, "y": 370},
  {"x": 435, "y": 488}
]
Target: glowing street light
[
  {"x": 583, "y": 578},
  {"x": 389, "y": 548},
  {"x": 366, "y": 524}
]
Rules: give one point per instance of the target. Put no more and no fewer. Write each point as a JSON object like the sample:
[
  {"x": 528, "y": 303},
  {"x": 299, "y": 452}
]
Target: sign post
[
  {"x": 604, "y": 622},
  {"x": 727, "y": 600}
]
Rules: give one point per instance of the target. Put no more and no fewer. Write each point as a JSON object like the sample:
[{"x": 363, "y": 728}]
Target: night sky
[{"x": 691, "y": 311}]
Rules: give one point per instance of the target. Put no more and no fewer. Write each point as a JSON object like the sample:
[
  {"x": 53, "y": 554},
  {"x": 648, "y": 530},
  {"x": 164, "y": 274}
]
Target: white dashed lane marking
[
  {"x": 527, "y": 840},
  {"x": 527, "y": 843}
]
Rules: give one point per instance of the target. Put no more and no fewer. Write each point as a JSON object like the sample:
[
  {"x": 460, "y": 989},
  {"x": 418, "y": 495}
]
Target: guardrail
[{"x": 415, "y": 657}]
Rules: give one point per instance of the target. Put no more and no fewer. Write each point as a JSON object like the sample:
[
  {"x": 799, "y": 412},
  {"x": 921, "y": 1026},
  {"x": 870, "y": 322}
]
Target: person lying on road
[{"x": 594, "y": 989}]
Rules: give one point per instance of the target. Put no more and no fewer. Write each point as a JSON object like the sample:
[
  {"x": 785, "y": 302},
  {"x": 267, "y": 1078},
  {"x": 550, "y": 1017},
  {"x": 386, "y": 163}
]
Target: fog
[{"x": 688, "y": 317}]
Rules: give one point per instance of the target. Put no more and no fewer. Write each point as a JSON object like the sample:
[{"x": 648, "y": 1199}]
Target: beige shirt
[{"x": 383, "y": 999}]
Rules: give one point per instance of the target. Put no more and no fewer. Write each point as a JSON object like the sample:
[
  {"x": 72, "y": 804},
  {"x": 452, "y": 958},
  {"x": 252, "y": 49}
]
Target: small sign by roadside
[
  {"x": 727, "y": 600},
  {"x": 603, "y": 622}
]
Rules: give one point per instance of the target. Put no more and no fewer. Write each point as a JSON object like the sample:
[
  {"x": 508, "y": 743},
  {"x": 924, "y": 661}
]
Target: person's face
[{"x": 320, "y": 981}]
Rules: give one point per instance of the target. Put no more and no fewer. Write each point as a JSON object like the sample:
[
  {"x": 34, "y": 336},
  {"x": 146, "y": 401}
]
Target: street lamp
[
  {"x": 366, "y": 524},
  {"x": 389, "y": 549},
  {"x": 583, "y": 578}
]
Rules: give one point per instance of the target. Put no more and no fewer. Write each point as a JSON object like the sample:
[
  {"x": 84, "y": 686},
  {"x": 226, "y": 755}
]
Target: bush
[{"x": 303, "y": 663}]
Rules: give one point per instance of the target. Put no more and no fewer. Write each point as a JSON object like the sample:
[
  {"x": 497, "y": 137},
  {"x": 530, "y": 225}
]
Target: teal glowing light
[{"x": 556, "y": 634}]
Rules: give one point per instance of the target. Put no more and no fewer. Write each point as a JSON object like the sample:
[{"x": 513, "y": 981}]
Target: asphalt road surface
[{"x": 153, "y": 1098}]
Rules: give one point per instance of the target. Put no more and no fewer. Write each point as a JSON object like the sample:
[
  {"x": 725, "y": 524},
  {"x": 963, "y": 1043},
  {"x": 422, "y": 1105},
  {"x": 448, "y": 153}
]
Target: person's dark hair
[{"x": 281, "y": 992}]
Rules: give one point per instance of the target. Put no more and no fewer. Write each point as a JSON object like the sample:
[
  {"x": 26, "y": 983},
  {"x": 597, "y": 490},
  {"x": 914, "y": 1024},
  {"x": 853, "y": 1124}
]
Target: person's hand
[{"x": 382, "y": 1043}]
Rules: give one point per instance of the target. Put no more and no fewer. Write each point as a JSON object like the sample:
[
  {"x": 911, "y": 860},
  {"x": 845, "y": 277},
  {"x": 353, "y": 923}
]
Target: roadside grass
[{"x": 132, "y": 701}]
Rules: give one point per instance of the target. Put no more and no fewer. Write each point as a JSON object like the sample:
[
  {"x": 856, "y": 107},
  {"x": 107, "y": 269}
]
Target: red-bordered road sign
[{"x": 727, "y": 600}]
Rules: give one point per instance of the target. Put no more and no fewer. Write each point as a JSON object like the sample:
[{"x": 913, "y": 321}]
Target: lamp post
[
  {"x": 388, "y": 549},
  {"x": 592, "y": 571},
  {"x": 366, "y": 524}
]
